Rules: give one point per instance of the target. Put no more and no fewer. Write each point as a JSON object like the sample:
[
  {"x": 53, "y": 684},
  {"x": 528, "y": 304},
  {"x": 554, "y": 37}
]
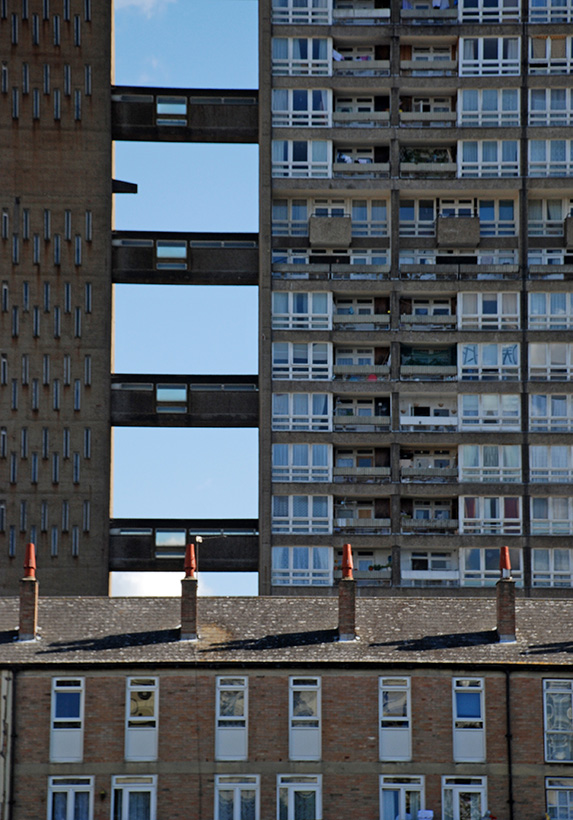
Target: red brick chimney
[
  {"x": 189, "y": 597},
  {"x": 505, "y": 600},
  {"x": 347, "y": 598},
  {"x": 29, "y": 585}
]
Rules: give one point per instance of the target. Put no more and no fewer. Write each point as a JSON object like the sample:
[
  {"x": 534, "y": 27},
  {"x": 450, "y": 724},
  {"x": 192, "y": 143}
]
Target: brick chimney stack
[
  {"x": 29, "y": 586},
  {"x": 189, "y": 597},
  {"x": 505, "y": 588},
  {"x": 347, "y": 598}
]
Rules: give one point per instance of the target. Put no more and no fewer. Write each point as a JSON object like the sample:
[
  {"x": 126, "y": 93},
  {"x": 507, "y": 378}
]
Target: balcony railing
[
  {"x": 361, "y": 119},
  {"x": 440, "y": 424},
  {"x": 414, "y": 322},
  {"x": 361, "y": 372},
  {"x": 363, "y": 526},
  {"x": 431, "y": 15},
  {"x": 430, "y": 578},
  {"x": 361, "y": 424},
  {"x": 552, "y": 373},
  {"x": 553, "y": 526},
  {"x": 316, "y": 272},
  {"x": 361, "y": 68},
  {"x": 362, "y": 475},
  {"x": 428, "y": 170},
  {"x": 360, "y": 170},
  {"x": 439, "y": 373},
  {"x": 431, "y": 119},
  {"x": 491, "y": 526},
  {"x": 428, "y": 473},
  {"x": 428, "y": 68},
  {"x": 561, "y": 272},
  {"x": 491, "y": 474},
  {"x": 428, "y": 525},
  {"x": 372, "y": 321},
  {"x": 360, "y": 17}
]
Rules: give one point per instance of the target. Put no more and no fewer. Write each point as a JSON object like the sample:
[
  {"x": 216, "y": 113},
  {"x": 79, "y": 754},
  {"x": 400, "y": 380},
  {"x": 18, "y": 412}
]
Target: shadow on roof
[
  {"x": 107, "y": 642},
  {"x": 289, "y": 639},
  {"x": 452, "y": 641}
]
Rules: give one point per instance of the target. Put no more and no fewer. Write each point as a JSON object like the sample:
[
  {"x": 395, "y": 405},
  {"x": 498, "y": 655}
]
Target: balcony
[
  {"x": 361, "y": 424},
  {"x": 428, "y": 170},
  {"x": 360, "y": 17},
  {"x": 361, "y": 67},
  {"x": 456, "y": 272},
  {"x": 432, "y": 373},
  {"x": 431, "y": 474},
  {"x": 360, "y": 119},
  {"x": 362, "y": 526},
  {"x": 428, "y": 119},
  {"x": 428, "y": 15},
  {"x": 361, "y": 475},
  {"x": 435, "y": 424},
  {"x": 366, "y": 577},
  {"x": 428, "y": 526},
  {"x": 429, "y": 68},
  {"x": 361, "y": 372},
  {"x": 410, "y": 321},
  {"x": 360, "y": 170},
  {"x": 430, "y": 578},
  {"x": 559, "y": 272},
  {"x": 371, "y": 321}
]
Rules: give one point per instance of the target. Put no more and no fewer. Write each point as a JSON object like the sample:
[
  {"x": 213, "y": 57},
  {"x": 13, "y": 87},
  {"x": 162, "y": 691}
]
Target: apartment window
[
  {"x": 303, "y": 56},
  {"x": 299, "y": 797},
  {"x": 302, "y": 311},
  {"x": 490, "y": 515},
  {"x": 67, "y": 735},
  {"x": 302, "y": 513},
  {"x": 88, "y": 370},
  {"x": 46, "y": 78},
  {"x": 86, "y": 516},
  {"x": 88, "y": 92},
  {"x": 67, "y": 369},
  {"x": 301, "y": 107},
  {"x": 78, "y": 250},
  {"x": 551, "y": 362},
  {"x": 302, "y": 462},
  {"x": 552, "y": 567},
  {"x": 76, "y": 462},
  {"x": 417, "y": 217},
  {"x": 35, "y": 394},
  {"x": 25, "y": 368},
  {"x": 134, "y": 797},
  {"x": 45, "y": 442},
  {"x": 395, "y": 719},
  {"x": 34, "y": 465},
  {"x": 67, "y": 297},
  {"x": 24, "y": 442},
  {"x": 401, "y": 798},
  {"x": 301, "y": 11},
  {"x": 545, "y": 256},
  {"x": 488, "y": 158},
  {"x": 237, "y": 797},
  {"x": 559, "y": 797},
  {"x": 46, "y": 368},
  {"x": 489, "y": 311},
  {"x": 67, "y": 91},
  {"x": 77, "y": 323},
  {"x": 558, "y": 708},
  {"x": 369, "y": 217},
  {"x": 14, "y": 396},
  {"x": 301, "y": 158},
  {"x": 550, "y": 106},
  {"x": 550, "y": 55},
  {"x": 75, "y": 541},
  {"x": 15, "y": 103},
  {"x": 463, "y": 797},
  {"x": 77, "y": 112},
  {"x": 488, "y": 362},
  {"x": 65, "y": 516},
  {"x": 88, "y": 290},
  {"x": 497, "y": 218},
  {"x": 57, "y": 29},
  {"x": 70, "y": 798},
  {"x": 304, "y": 718},
  {"x": 302, "y": 566},
  {"x": 550, "y": 413},
  {"x": 77, "y": 394},
  {"x": 142, "y": 705},
  {"x": 57, "y": 106},
  {"x": 489, "y": 107},
  {"x": 550, "y": 463},
  {"x": 54, "y": 542},
  {"x": 3, "y": 442},
  {"x": 12, "y": 542},
  {"x": 56, "y": 394},
  {"x": 25, "y": 78},
  {"x": 545, "y": 217},
  {"x": 551, "y": 516},
  {"x": 468, "y": 716},
  {"x": 36, "y": 246},
  {"x": 44, "y": 516},
  {"x": 77, "y": 30},
  {"x": 4, "y": 80},
  {"x": 2, "y": 516},
  {"x": 55, "y": 468},
  {"x": 553, "y": 158},
  {"x": 302, "y": 360},
  {"x": 23, "y": 516},
  {"x": 14, "y": 29},
  {"x": 67, "y": 10},
  {"x": 87, "y": 442},
  {"x": 231, "y": 728},
  {"x": 483, "y": 56},
  {"x": 66, "y": 442},
  {"x": 36, "y": 322},
  {"x": 3, "y": 369},
  {"x": 289, "y": 217},
  {"x": 490, "y": 462},
  {"x": 89, "y": 224}
]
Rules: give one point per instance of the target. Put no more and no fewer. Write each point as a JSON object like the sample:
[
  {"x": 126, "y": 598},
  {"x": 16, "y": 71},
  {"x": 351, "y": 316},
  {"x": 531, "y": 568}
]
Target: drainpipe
[{"x": 508, "y": 738}]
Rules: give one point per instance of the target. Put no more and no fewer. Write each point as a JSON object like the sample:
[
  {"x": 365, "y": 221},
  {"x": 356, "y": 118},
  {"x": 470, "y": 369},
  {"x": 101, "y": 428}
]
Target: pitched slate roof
[{"x": 287, "y": 630}]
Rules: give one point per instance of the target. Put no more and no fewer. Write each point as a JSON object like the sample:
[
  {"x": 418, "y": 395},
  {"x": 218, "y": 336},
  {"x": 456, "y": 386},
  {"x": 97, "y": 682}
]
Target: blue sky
[{"x": 169, "y": 329}]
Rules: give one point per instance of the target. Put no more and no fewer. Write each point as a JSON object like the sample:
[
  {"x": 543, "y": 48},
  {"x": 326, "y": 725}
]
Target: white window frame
[
  {"x": 483, "y": 168},
  {"x": 404, "y": 786},
  {"x": 67, "y": 741},
  {"x": 469, "y": 729},
  {"x": 549, "y": 224},
  {"x": 71, "y": 786},
  {"x": 481, "y": 116},
  {"x": 483, "y": 473},
  {"x": 549, "y": 64},
  {"x": 558, "y": 729},
  {"x": 237, "y": 784},
  {"x": 288, "y": 785},
  {"x": 484, "y": 524},
  {"x": 317, "y": 366},
  {"x": 303, "y": 310},
  {"x": 365, "y": 219},
  {"x": 484, "y": 575},
  {"x": 418, "y": 226},
  {"x": 295, "y": 220},
  {"x": 549, "y": 114},
  {"x": 231, "y": 730},
  {"x": 506, "y": 11},
  {"x": 506, "y": 316},
  {"x": 483, "y": 67},
  {"x": 315, "y": 12},
  {"x": 129, "y": 784},
  {"x": 548, "y": 567},
  {"x": 559, "y": 518},
  {"x": 308, "y": 117},
  {"x": 506, "y": 369},
  {"x": 546, "y": 256},
  {"x": 553, "y": 467},
  {"x": 141, "y": 729},
  {"x": 550, "y": 12},
  {"x": 498, "y": 225},
  {"x": 547, "y": 421},
  {"x": 459, "y": 786},
  {"x": 305, "y": 729},
  {"x": 291, "y": 471},
  {"x": 395, "y": 735},
  {"x": 290, "y": 523},
  {"x": 291, "y": 167},
  {"x": 301, "y": 567},
  {"x": 309, "y": 420},
  {"x": 294, "y": 66},
  {"x": 556, "y": 367},
  {"x": 549, "y": 166},
  {"x": 554, "y": 786}
]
